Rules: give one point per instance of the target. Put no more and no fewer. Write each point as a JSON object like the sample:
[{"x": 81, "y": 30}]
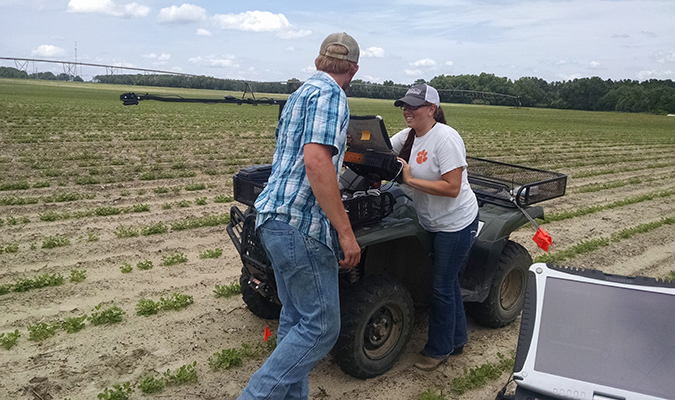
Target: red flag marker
[
  {"x": 267, "y": 333},
  {"x": 542, "y": 239}
]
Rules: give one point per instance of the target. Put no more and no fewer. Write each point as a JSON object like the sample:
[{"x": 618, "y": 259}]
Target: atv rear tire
[
  {"x": 377, "y": 318},
  {"x": 507, "y": 292},
  {"x": 258, "y": 304}
]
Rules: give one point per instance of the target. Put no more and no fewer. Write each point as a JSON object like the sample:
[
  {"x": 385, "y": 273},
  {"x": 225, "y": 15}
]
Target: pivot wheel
[
  {"x": 377, "y": 316},
  {"x": 507, "y": 292}
]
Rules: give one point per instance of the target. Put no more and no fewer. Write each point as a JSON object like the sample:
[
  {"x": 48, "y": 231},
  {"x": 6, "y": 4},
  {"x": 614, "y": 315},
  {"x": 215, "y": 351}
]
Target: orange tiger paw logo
[{"x": 422, "y": 157}]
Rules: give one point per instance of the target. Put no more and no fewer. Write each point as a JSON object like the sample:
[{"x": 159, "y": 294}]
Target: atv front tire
[
  {"x": 377, "y": 318},
  {"x": 507, "y": 292},
  {"x": 258, "y": 304}
]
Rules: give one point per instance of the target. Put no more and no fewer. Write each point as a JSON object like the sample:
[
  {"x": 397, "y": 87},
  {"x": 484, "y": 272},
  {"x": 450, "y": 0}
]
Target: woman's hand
[{"x": 406, "y": 173}]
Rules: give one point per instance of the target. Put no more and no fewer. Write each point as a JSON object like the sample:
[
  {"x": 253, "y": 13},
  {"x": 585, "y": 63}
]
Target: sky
[{"x": 400, "y": 40}]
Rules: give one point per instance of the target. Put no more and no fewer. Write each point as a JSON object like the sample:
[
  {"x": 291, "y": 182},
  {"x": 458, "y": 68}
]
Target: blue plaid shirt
[{"x": 315, "y": 113}]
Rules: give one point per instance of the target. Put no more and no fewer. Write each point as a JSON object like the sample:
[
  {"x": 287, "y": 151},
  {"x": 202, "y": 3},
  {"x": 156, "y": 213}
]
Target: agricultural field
[{"x": 117, "y": 276}]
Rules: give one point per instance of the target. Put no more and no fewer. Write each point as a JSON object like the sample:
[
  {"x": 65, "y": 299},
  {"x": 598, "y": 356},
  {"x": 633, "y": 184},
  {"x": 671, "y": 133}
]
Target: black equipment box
[{"x": 250, "y": 182}]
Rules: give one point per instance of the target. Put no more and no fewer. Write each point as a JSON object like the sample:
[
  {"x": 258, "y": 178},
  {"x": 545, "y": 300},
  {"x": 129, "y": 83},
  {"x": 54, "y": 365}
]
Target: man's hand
[
  {"x": 351, "y": 250},
  {"x": 322, "y": 178}
]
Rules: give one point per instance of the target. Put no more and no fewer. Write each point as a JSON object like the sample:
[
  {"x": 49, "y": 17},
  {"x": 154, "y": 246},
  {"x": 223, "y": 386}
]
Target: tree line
[{"x": 591, "y": 94}]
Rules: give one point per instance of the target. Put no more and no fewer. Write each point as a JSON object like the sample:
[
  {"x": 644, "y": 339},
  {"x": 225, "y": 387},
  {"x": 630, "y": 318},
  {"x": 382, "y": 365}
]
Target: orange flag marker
[{"x": 542, "y": 239}]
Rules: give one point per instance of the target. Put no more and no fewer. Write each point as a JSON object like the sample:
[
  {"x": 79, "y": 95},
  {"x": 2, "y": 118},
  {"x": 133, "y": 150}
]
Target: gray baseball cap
[
  {"x": 344, "y": 40},
  {"x": 418, "y": 95}
]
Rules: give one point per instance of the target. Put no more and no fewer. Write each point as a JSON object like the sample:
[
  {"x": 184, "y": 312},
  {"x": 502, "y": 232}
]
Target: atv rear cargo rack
[{"x": 503, "y": 184}]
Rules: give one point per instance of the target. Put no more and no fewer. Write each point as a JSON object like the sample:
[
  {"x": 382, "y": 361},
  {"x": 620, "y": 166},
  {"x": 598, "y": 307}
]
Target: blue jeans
[
  {"x": 306, "y": 272},
  {"x": 447, "y": 321}
]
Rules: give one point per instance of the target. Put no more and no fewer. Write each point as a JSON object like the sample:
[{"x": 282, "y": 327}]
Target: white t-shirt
[{"x": 439, "y": 151}]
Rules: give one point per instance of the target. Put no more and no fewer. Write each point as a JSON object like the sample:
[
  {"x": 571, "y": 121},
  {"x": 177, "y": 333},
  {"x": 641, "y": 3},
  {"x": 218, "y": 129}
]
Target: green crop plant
[
  {"x": 234, "y": 357},
  {"x": 126, "y": 268},
  {"x": 42, "y": 330},
  {"x": 185, "y": 374},
  {"x": 226, "y": 291},
  {"x": 5, "y": 288},
  {"x": 156, "y": 229},
  {"x": 78, "y": 275},
  {"x": 475, "y": 378},
  {"x": 208, "y": 253},
  {"x": 221, "y": 198},
  {"x": 107, "y": 210},
  {"x": 118, "y": 392},
  {"x": 586, "y": 246},
  {"x": 51, "y": 242},
  {"x": 8, "y": 340},
  {"x": 183, "y": 203},
  {"x": 92, "y": 237},
  {"x": 199, "y": 222},
  {"x": 126, "y": 232},
  {"x": 144, "y": 265},
  {"x": 50, "y": 216},
  {"x": 195, "y": 186},
  {"x": 174, "y": 259},
  {"x": 200, "y": 201},
  {"x": 433, "y": 394},
  {"x": 22, "y": 185},
  {"x": 141, "y": 192},
  {"x": 125, "y": 193},
  {"x": 140, "y": 207},
  {"x": 226, "y": 359},
  {"x": 108, "y": 316},
  {"x": 161, "y": 190},
  {"x": 73, "y": 324},
  {"x": 149, "y": 384},
  {"x": 12, "y": 248},
  {"x": 40, "y": 281},
  {"x": 167, "y": 206},
  {"x": 176, "y": 302},
  {"x": 147, "y": 307},
  {"x": 41, "y": 184}
]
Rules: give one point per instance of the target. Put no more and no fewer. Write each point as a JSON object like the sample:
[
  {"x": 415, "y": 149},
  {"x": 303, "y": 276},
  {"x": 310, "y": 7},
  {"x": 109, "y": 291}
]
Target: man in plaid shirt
[{"x": 303, "y": 224}]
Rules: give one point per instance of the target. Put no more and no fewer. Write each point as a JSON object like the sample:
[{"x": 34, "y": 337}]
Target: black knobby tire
[
  {"x": 507, "y": 292},
  {"x": 258, "y": 304},
  {"x": 377, "y": 318}
]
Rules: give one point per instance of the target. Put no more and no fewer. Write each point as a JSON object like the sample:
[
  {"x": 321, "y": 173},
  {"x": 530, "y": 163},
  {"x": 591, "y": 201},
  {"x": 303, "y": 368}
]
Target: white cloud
[
  {"x": 372, "y": 79},
  {"x": 449, "y": 63},
  {"x": 373, "y": 52},
  {"x": 47, "y": 50},
  {"x": 413, "y": 72},
  {"x": 185, "y": 14},
  {"x": 203, "y": 32},
  {"x": 108, "y": 7},
  {"x": 424, "y": 63},
  {"x": 289, "y": 49},
  {"x": 594, "y": 64},
  {"x": 260, "y": 21},
  {"x": 293, "y": 33},
  {"x": 161, "y": 57},
  {"x": 215, "y": 61},
  {"x": 257, "y": 21},
  {"x": 662, "y": 57}
]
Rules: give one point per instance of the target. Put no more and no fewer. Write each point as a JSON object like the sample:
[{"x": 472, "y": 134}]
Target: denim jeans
[
  {"x": 306, "y": 272},
  {"x": 447, "y": 320}
]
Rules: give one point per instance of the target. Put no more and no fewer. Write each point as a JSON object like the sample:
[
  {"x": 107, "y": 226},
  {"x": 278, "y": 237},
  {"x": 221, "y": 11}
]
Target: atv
[{"x": 378, "y": 297}]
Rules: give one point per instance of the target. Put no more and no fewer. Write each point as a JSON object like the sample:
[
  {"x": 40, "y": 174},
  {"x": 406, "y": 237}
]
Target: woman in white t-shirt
[{"x": 434, "y": 165}]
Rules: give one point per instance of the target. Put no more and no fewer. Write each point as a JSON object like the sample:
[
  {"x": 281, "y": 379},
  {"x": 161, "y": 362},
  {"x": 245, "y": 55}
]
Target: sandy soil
[{"x": 80, "y": 365}]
